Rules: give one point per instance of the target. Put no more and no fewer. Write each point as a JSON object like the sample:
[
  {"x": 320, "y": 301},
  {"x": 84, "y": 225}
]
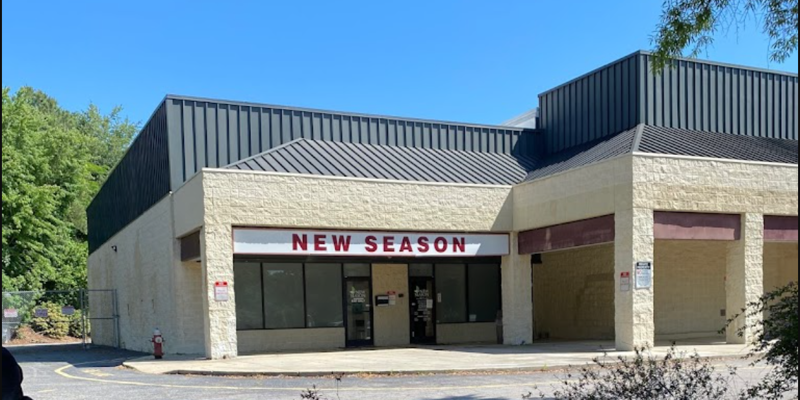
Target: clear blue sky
[{"x": 462, "y": 60}]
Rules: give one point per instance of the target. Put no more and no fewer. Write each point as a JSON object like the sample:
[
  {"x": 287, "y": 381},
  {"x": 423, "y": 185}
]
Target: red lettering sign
[
  {"x": 341, "y": 243},
  {"x": 440, "y": 244},
  {"x": 422, "y": 244},
  {"x": 299, "y": 242},
  {"x": 405, "y": 247},
  {"x": 371, "y": 244},
  {"x": 459, "y": 245},
  {"x": 388, "y": 244},
  {"x": 319, "y": 242}
]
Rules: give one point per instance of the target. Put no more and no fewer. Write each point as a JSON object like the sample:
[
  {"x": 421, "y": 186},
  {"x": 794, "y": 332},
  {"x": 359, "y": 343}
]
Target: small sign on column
[
  {"x": 221, "y": 291},
  {"x": 644, "y": 275},
  {"x": 625, "y": 281}
]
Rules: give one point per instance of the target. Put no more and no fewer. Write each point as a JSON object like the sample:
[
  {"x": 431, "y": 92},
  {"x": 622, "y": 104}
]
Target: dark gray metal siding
[
  {"x": 137, "y": 183},
  {"x": 720, "y": 98},
  {"x": 601, "y": 103},
  {"x": 209, "y": 133},
  {"x": 692, "y": 94}
]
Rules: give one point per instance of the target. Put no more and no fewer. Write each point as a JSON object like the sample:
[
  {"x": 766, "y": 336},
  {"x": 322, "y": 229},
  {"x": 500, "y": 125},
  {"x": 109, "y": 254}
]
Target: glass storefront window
[
  {"x": 420, "y": 270},
  {"x": 484, "y": 292},
  {"x": 249, "y": 307},
  {"x": 324, "y": 295},
  {"x": 451, "y": 289},
  {"x": 283, "y": 296},
  {"x": 357, "y": 270}
]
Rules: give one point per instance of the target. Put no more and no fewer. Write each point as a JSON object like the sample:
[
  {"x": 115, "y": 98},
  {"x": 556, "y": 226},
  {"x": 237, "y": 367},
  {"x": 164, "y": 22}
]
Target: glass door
[
  {"x": 423, "y": 327},
  {"x": 358, "y": 310}
]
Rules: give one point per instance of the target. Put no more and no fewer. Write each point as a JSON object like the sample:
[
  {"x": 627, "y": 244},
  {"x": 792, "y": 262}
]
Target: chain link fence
[{"x": 63, "y": 314}]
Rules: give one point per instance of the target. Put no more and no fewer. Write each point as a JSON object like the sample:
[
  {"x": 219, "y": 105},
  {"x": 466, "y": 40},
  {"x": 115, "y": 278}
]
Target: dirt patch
[{"x": 26, "y": 335}]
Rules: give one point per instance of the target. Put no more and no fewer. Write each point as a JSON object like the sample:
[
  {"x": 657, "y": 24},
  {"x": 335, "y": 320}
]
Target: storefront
[
  {"x": 365, "y": 288},
  {"x": 628, "y": 209}
]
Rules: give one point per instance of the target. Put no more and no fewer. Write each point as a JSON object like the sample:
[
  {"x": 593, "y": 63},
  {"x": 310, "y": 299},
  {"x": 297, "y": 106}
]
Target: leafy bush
[
  {"x": 775, "y": 342},
  {"x": 76, "y": 324},
  {"x": 56, "y": 325},
  {"x": 645, "y": 377}
]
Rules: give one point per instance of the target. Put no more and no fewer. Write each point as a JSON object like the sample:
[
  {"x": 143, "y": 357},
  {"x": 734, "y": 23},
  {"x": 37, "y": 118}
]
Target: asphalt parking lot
[{"x": 69, "y": 372}]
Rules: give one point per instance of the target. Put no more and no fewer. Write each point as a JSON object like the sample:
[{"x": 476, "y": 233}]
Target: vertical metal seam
[{"x": 183, "y": 143}]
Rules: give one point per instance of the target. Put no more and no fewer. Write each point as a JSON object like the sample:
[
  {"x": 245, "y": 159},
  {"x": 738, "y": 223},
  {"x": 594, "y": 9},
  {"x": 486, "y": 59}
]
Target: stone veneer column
[
  {"x": 744, "y": 282},
  {"x": 219, "y": 316},
  {"x": 517, "y": 286},
  {"x": 634, "y": 309}
]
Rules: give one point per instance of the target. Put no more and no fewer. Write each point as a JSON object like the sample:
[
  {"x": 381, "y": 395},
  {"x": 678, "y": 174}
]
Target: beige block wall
[
  {"x": 675, "y": 184},
  {"x": 516, "y": 292},
  {"x": 690, "y": 289},
  {"x": 485, "y": 332},
  {"x": 744, "y": 283},
  {"x": 574, "y": 294},
  {"x": 145, "y": 273},
  {"x": 587, "y": 192},
  {"x": 392, "y": 323},
  {"x": 277, "y": 200},
  {"x": 273, "y": 341},
  {"x": 634, "y": 324},
  {"x": 780, "y": 264}
]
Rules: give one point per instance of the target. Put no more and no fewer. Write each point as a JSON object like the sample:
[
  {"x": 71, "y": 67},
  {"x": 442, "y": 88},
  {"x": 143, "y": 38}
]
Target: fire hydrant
[{"x": 158, "y": 344}]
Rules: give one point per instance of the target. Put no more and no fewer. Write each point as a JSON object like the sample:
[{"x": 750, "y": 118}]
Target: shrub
[
  {"x": 645, "y": 377},
  {"x": 56, "y": 325},
  {"x": 775, "y": 342},
  {"x": 76, "y": 324}
]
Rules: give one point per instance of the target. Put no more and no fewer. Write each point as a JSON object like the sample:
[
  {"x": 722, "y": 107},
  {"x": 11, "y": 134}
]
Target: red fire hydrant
[{"x": 158, "y": 344}]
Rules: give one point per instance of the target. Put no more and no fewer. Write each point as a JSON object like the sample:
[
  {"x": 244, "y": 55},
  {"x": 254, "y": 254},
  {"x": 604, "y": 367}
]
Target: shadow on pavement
[{"x": 73, "y": 354}]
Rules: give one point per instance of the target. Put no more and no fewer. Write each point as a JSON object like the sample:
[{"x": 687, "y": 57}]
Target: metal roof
[
  {"x": 670, "y": 141},
  {"x": 357, "y": 160},
  {"x": 590, "y": 153},
  {"x": 717, "y": 145}
]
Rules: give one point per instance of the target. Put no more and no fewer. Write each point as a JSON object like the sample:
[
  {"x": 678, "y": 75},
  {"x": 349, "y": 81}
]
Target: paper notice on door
[{"x": 429, "y": 304}]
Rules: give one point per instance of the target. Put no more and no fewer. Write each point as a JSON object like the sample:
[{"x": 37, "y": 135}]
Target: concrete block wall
[
  {"x": 235, "y": 198},
  {"x": 690, "y": 289},
  {"x": 141, "y": 269},
  {"x": 592, "y": 191},
  {"x": 780, "y": 264},
  {"x": 574, "y": 294},
  {"x": 392, "y": 323}
]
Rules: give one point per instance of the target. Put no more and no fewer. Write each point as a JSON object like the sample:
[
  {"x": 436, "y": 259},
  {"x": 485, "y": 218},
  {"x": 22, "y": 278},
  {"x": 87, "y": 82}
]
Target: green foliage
[
  {"x": 76, "y": 324},
  {"x": 56, "y": 325},
  {"x": 775, "y": 342},
  {"x": 54, "y": 162},
  {"x": 692, "y": 24}
]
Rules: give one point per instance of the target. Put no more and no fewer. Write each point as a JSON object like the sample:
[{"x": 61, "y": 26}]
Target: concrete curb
[{"x": 386, "y": 373}]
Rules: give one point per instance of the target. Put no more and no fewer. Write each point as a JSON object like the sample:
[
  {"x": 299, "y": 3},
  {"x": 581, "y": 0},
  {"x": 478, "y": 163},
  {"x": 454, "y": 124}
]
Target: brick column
[
  {"x": 219, "y": 316},
  {"x": 517, "y": 296},
  {"x": 634, "y": 309},
  {"x": 745, "y": 275}
]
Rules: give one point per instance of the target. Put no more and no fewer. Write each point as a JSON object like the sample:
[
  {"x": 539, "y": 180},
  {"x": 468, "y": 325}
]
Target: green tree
[
  {"x": 54, "y": 161},
  {"x": 692, "y": 24}
]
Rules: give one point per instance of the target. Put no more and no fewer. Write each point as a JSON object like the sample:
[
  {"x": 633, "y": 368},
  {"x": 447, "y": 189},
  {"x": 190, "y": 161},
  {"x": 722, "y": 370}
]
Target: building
[{"x": 637, "y": 207}]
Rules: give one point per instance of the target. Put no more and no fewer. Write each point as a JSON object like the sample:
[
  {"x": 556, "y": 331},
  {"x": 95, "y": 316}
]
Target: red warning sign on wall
[{"x": 221, "y": 291}]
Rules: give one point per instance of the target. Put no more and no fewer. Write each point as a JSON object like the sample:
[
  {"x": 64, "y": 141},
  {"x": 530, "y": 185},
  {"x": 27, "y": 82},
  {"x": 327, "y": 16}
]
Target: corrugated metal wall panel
[
  {"x": 598, "y": 104},
  {"x": 721, "y": 98},
  {"x": 138, "y": 182},
  {"x": 691, "y": 94},
  {"x": 211, "y": 133}
]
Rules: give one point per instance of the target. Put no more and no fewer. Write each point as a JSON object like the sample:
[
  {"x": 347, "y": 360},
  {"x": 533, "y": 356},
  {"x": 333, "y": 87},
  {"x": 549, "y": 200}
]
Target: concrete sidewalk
[{"x": 418, "y": 360}]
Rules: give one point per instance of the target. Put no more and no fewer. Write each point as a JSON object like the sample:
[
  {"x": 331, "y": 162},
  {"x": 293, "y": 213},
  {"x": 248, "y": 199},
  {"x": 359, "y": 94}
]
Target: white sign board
[
  {"x": 644, "y": 274},
  {"x": 10, "y": 313},
  {"x": 68, "y": 310},
  {"x": 221, "y": 291},
  {"x": 367, "y": 244},
  {"x": 624, "y": 281}
]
